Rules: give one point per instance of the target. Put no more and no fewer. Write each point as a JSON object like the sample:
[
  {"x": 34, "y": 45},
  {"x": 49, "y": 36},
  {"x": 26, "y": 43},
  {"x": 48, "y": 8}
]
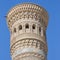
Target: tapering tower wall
[{"x": 27, "y": 24}]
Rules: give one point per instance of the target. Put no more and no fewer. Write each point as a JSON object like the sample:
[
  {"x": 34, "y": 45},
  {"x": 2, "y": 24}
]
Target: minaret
[{"x": 28, "y": 23}]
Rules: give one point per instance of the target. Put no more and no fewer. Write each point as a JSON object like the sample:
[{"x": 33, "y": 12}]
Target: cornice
[{"x": 36, "y": 10}]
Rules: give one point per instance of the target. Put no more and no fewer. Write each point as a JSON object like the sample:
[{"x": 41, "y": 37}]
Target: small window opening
[
  {"x": 20, "y": 27},
  {"x": 27, "y": 26},
  {"x": 33, "y": 27},
  {"x": 39, "y": 29}
]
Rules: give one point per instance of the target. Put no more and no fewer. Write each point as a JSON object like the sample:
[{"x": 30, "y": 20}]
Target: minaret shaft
[{"x": 27, "y": 24}]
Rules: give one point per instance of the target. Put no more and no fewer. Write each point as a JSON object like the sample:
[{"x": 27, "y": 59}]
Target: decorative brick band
[
  {"x": 24, "y": 50},
  {"x": 28, "y": 54},
  {"x": 28, "y": 43}
]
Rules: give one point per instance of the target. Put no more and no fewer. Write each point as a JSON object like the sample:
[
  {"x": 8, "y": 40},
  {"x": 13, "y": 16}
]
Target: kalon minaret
[{"x": 28, "y": 23}]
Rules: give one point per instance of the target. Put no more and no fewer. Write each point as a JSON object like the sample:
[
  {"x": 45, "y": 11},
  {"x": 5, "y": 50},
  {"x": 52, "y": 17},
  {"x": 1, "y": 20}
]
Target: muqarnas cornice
[{"x": 27, "y": 10}]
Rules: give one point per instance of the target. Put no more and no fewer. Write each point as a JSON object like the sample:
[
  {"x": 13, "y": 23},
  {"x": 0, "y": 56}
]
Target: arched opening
[
  {"x": 27, "y": 26},
  {"x": 33, "y": 27},
  {"x": 20, "y": 27},
  {"x": 39, "y": 29}
]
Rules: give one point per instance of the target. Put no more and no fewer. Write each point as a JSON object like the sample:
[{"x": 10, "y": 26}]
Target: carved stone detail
[{"x": 28, "y": 43}]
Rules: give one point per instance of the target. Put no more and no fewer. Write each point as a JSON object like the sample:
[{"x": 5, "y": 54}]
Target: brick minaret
[{"x": 27, "y": 23}]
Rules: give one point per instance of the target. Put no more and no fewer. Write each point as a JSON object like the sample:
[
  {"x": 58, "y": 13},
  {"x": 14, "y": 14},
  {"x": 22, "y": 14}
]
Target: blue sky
[{"x": 53, "y": 29}]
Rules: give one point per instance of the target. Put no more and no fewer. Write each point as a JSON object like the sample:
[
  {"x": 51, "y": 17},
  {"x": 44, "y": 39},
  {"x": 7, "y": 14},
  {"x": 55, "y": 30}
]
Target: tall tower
[{"x": 27, "y": 23}]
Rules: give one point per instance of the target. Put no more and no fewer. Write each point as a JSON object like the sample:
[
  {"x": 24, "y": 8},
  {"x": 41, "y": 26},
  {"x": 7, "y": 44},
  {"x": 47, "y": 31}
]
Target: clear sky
[{"x": 53, "y": 29}]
